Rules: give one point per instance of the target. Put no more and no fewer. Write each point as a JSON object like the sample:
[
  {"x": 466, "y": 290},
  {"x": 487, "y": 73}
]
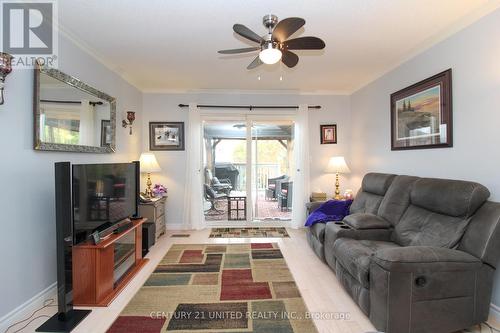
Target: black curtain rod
[
  {"x": 69, "y": 102},
  {"x": 250, "y": 107}
]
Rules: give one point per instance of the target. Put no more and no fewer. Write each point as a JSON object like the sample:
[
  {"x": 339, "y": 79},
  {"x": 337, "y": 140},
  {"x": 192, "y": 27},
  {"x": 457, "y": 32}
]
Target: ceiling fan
[{"x": 275, "y": 45}]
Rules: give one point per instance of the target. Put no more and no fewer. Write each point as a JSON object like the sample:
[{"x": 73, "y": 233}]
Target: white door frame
[{"x": 248, "y": 117}]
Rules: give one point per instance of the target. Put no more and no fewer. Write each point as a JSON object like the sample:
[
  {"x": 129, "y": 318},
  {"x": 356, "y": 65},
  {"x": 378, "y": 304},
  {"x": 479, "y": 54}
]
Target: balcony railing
[{"x": 264, "y": 172}]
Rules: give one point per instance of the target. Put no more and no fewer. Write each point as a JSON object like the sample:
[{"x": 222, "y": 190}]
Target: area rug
[
  {"x": 249, "y": 233},
  {"x": 218, "y": 288}
]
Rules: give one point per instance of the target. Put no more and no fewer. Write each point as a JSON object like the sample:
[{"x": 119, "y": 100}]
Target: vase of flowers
[{"x": 159, "y": 190}]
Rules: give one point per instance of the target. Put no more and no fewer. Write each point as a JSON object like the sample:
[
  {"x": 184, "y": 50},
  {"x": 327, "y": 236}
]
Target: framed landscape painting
[
  {"x": 421, "y": 115},
  {"x": 328, "y": 134},
  {"x": 166, "y": 136}
]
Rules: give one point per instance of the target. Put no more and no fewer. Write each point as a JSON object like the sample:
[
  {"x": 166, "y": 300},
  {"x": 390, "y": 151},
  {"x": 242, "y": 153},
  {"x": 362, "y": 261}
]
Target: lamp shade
[
  {"x": 337, "y": 164},
  {"x": 149, "y": 163}
]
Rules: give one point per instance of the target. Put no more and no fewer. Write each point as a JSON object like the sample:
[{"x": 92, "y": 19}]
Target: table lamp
[
  {"x": 149, "y": 165},
  {"x": 337, "y": 165}
]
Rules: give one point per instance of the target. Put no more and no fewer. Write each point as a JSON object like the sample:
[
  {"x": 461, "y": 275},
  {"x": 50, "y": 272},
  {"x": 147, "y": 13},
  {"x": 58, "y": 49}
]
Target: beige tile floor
[{"x": 317, "y": 283}]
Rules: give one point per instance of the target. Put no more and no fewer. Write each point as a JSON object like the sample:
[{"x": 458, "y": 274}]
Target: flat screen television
[{"x": 103, "y": 196}]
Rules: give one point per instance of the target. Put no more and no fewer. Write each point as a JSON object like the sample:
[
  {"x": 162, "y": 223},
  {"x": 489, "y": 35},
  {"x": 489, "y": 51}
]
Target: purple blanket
[{"x": 332, "y": 210}]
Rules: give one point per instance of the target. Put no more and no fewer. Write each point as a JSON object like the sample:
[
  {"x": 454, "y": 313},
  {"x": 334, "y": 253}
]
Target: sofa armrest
[
  {"x": 336, "y": 230},
  {"x": 362, "y": 221},
  {"x": 312, "y": 206},
  {"x": 425, "y": 258}
]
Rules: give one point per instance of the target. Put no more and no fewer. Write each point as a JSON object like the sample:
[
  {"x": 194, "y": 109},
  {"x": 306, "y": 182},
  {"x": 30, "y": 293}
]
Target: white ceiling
[{"x": 160, "y": 45}]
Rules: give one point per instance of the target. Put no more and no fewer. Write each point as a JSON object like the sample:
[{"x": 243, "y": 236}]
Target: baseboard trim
[
  {"x": 176, "y": 227},
  {"x": 27, "y": 308},
  {"x": 495, "y": 312}
]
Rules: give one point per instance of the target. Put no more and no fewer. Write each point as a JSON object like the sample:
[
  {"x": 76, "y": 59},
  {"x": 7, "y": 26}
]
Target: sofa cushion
[
  {"x": 377, "y": 183},
  {"x": 318, "y": 231},
  {"x": 421, "y": 227},
  {"x": 396, "y": 199},
  {"x": 371, "y": 193},
  {"x": 449, "y": 197},
  {"x": 366, "y": 203},
  {"x": 355, "y": 256},
  {"x": 425, "y": 258},
  {"x": 439, "y": 212},
  {"x": 361, "y": 221}
]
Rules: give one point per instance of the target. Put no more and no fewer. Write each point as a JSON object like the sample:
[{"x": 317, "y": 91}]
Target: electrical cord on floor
[
  {"x": 29, "y": 322},
  {"x": 47, "y": 303},
  {"x": 492, "y": 329}
]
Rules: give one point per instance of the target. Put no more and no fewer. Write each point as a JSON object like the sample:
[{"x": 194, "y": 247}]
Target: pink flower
[{"x": 159, "y": 189}]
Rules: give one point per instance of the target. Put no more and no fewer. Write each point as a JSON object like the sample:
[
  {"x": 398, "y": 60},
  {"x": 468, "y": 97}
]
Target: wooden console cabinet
[{"x": 100, "y": 272}]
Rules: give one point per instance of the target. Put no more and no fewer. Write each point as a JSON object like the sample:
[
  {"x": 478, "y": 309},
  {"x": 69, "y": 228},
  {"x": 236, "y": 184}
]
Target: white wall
[
  {"x": 474, "y": 56},
  {"x": 27, "y": 177},
  {"x": 164, "y": 107},
  {"x": 363, "y": 119}
]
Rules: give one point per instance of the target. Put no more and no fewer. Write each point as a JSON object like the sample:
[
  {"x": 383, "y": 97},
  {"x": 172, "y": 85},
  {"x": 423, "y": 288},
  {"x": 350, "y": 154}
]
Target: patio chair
[
  {"x": 227, "y": 171},
  {"x": 212, "y": 196},
  {"x": 272, "y": 186},
  {"x": 285, "y": 196},
  {"x": 219, "y": 185}
]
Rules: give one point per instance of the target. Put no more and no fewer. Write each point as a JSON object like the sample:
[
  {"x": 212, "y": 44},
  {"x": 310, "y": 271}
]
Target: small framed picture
[
  {"x": 328, "y": 134},
  {"x": 105, "y": 133},
  {"x": 166, "y": 136}
]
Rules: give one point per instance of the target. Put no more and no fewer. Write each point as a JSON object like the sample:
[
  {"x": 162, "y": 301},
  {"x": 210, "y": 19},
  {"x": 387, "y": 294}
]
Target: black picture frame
[
  {"x": 106, "y": 133},
  {"x": 166, "y": 136},
  {"x": 428, "y": 121},
  {"x": 328, "y": 134}
]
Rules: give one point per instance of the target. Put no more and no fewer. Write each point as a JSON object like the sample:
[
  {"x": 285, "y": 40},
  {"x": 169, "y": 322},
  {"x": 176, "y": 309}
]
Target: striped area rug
[
  {"x": 261, "y": 232},
  {"x": 218, "y": 288}
]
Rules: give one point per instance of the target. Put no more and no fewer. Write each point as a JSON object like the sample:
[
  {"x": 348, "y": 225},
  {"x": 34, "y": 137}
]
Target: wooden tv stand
[{"x": 100, "y": 272}]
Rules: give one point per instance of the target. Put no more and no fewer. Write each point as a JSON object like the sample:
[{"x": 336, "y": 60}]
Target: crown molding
[
  {"x": 68, "y": 34},
  {"x": 248, "y": 92}
]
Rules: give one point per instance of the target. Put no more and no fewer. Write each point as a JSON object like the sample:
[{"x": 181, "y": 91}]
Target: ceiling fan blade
[
  {"x": 289, "y": 58},
  {"x": 243, "y": 31},
  {"x": 236, "y": 51},
  {"x": 304, "y": 43},
  {"x": 256, "y": 62},
  {"x": 287, "y": 27}
]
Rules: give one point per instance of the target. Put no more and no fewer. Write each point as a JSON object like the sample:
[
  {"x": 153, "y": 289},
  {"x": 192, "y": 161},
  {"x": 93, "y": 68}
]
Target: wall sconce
[
  {"x": 129, "y": 121},
  {"x": 5, "y": 69}
]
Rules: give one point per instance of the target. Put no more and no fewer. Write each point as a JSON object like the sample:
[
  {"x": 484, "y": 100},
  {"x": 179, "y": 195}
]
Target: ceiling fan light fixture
[
  {"x": 276, "y": 45},
  {"x": 269, "y": 54}
]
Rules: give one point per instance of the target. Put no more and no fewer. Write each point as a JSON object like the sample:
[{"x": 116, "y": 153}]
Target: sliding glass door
[
  {"x": 225, "y": 170},
  {"x": 272, "y": 181},
  {"x": 247, "y": 167}
]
